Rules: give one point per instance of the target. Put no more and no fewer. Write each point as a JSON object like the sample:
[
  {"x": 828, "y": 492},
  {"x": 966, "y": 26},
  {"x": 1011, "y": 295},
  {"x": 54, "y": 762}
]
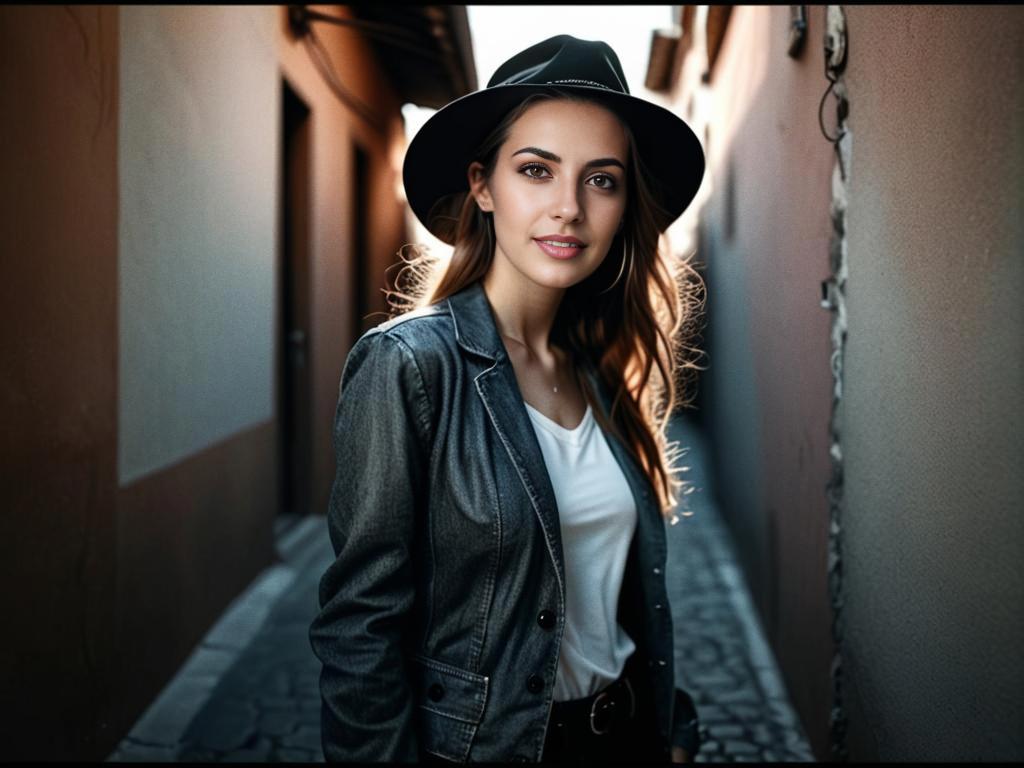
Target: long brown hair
[{"x": 632, "y": 321}]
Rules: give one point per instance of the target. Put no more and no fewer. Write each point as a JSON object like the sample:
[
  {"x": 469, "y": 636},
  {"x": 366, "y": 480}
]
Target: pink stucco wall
[
  {"x": 930, "y": 416},
  {"x": 933, "y": 532}
]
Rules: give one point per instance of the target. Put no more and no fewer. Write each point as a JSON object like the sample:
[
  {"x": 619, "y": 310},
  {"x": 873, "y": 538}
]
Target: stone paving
[
  {"x": 722, "y": 657},
  {"x": 264, "y": 705},
  {"x": 268, "y": 708},
  {"x": 250, "y": 691}
]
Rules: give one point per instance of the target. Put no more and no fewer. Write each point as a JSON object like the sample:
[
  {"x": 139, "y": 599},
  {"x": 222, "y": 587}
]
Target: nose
[{"x": 566, "y": 205}]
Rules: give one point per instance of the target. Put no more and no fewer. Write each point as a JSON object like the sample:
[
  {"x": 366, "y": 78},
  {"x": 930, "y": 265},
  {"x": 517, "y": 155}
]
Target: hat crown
[{"x": 564, "y": 59}]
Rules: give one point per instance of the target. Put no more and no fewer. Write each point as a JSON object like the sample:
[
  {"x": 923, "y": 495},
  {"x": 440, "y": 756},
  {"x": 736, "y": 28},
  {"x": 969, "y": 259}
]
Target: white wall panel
[{"x": 198, "y": 169}]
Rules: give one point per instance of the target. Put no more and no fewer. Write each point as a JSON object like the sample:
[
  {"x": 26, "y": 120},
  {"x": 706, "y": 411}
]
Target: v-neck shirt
[{"x": 597, "y": 518}]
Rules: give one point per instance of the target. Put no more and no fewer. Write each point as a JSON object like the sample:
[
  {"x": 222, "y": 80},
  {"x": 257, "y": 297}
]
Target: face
[{"x": 557, "y": 193}]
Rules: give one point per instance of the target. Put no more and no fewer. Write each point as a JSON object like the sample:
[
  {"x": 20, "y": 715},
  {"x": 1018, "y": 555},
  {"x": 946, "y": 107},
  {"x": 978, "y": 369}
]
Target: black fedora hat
[{"x": 437, "y": 158}]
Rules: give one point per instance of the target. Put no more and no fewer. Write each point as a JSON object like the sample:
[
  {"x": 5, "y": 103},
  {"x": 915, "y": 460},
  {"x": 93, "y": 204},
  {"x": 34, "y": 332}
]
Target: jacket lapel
[{"x": 498, "y": 389}]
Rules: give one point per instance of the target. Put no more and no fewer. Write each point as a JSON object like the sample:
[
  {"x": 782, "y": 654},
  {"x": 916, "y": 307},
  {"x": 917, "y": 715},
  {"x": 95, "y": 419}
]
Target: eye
[
  {"x": 603, "y": 181},
  {"x": 529, "y": 169}
]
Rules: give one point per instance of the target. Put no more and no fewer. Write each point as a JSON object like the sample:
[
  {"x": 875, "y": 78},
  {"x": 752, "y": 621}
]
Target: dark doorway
[
  {"x": 360, "y": 193},
  {"x": 293, "y": 358}
]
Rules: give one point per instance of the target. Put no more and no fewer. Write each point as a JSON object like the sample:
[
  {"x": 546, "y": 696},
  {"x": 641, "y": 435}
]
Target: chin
[{"x": 562, "y": 276}]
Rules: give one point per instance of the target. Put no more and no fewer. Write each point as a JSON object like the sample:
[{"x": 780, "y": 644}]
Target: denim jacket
[{"x": 444, "y": 524}]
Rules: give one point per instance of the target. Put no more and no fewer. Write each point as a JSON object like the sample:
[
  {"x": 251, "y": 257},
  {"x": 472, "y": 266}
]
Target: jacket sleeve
[{"x": 381, "y": 444}]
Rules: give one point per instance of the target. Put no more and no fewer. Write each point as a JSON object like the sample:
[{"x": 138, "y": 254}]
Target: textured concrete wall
[
  {"x": 767, "y": 392},
  {"x": 934, "y": 537},
  {"x": 198, "y": 166}
]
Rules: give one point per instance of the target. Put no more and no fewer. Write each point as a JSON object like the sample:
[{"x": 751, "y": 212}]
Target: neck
[{"x": 523, "y": 310}]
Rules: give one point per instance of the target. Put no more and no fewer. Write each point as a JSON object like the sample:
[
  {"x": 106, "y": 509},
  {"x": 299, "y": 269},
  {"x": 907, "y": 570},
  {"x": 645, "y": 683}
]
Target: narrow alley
[{"x": 204, "y": 208}]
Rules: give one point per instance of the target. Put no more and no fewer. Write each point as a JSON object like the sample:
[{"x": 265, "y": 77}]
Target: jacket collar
[
  {"x": 477, "y": 332},
  {"x": 475, "y": 329}
]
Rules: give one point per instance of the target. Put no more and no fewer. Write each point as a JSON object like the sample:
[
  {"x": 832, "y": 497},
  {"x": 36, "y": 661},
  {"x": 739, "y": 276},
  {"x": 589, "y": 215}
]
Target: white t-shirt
[{"x": 597, "y": 517}]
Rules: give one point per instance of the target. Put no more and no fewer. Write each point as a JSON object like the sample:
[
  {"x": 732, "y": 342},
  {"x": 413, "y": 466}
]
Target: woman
[{"x": 502, "y": 474}]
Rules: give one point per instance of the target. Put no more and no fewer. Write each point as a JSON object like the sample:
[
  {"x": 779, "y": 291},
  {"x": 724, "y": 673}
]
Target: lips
[{"x": 560, "y": 246}]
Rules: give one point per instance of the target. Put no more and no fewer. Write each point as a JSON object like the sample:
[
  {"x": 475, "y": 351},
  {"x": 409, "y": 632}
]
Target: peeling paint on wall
[
  {"x": 834, "y": 300},
  {"x": 834, "y": 489}
]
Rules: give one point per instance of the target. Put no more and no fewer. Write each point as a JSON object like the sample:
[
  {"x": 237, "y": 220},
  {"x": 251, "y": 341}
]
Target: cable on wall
[
  {"x": 321, "y": 60},
  {"x": 300, "y": 19}
]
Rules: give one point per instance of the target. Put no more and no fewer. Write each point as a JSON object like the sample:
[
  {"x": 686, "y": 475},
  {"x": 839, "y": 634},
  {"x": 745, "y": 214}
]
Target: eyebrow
[{"x": 556, "y": 159}]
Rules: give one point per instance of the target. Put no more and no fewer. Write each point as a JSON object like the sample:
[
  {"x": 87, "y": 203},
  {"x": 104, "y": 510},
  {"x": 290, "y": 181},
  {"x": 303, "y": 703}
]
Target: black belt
[{"x": 598, "y": 714}]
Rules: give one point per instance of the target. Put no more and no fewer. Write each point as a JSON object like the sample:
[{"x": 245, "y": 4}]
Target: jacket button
[
  {"x": 436, "y": 692},
  {"x": 658, "y": 606},
  {"x": 535, "y": 684},
  {"x": 657, "y": 571},
  {"x": 546, "y": 619}
]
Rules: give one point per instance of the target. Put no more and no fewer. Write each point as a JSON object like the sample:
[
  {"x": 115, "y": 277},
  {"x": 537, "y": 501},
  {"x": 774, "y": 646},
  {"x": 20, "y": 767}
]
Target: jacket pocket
[{"x": 451, "y": 705}]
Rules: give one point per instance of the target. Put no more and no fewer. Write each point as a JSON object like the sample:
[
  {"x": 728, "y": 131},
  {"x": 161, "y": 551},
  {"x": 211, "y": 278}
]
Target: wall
[
  {"x": 140, "y": 201},
  {"x": 930, "y": 419},
  {"x": 58, "y": 393},
  {"x": 765, "y": 398},
  {"x": 198, "y": 186},
  {"x": 933, "y": 534},
  {"x": 335, "y": 129},
  {"x": 198, "y": 168},
  {"x": 195, "y": 532}
]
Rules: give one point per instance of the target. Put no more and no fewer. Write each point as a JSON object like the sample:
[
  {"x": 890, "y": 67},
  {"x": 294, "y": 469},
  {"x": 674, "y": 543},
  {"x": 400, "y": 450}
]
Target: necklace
[{"x": 523, "y": 344}]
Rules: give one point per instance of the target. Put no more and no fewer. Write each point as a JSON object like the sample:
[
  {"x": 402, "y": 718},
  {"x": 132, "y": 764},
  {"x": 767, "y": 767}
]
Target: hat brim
[{"x": 439, "y": 155}]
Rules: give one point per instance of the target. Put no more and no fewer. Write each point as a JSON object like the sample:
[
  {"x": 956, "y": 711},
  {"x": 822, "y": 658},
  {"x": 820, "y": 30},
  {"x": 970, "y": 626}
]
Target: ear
[{"x": 478, "y": 186}]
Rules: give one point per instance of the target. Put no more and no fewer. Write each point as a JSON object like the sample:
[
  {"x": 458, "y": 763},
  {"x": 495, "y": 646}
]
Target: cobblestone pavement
[
  {"x": 250, "y": 691},
  {"x": 259, "y": 701},
  {"x": 268, "y": 705},
  {"x": 721, "y": 655}
]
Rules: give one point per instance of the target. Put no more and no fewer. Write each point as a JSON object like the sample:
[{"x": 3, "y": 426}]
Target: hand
[{"x": 680, "y": 755}]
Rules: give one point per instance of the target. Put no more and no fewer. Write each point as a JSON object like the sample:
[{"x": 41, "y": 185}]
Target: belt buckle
[
  {"x": 593, "y": 710},
  {"x": 610, "y": 705}
]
